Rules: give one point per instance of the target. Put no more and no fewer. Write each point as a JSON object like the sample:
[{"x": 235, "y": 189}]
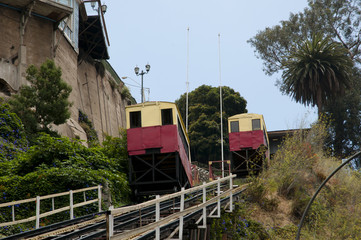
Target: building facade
[{"x": 62, "y": 30}]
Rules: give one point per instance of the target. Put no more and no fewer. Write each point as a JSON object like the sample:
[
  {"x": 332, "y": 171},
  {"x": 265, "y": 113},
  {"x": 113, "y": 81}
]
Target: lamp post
[{"x": 136, "y": 70}]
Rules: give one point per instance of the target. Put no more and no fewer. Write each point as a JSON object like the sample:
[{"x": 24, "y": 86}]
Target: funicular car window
[
  {"x": 167, "y": 116},
  {"x": 135, "y": 119},
  {"x": 256, "y": 124},
  {"x": 234, "y": 126}
]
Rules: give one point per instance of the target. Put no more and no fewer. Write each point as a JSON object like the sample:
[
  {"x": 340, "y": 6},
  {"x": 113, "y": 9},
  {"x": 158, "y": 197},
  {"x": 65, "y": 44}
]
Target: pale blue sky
[{"x": 155, "y": 32}]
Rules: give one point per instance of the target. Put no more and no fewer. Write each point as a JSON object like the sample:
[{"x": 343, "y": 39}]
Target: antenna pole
[
  {"x": 187, "y": 83},
  {"x": 220, "y": 100}
]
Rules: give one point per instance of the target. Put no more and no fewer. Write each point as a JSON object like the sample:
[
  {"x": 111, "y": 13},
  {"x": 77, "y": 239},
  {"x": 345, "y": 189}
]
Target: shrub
[
  {"x": 256, "y": 190},
  {"x": 237, "y": 225},
  {"x": 57, "y": 165},
  {"x": 12, "y": 136},
  {"x": 88, "y": 127},
  {"x": 269, "y": 204}
]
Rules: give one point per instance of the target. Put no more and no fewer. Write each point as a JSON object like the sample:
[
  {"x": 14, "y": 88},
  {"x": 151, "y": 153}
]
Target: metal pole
[
  {"x": 187, "y": 83},
  {"x": 318, "y": 190},
  {"x": 142, "y": 73},
  {"x": 220, "y": 101}
]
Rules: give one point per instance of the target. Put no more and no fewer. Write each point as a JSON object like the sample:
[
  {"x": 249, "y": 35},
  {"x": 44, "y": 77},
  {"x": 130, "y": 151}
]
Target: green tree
[
  {"x": 45, "y": 101},
  {"x": 317, "y": 71},
  {"x": 204, "y": 119},
  {"x": 345, "y": 127},
  {"x": 340, "y": 20}
]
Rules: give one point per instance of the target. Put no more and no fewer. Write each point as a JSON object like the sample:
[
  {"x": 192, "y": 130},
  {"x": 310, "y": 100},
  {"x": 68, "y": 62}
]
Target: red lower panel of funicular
[
  {"x": 247, "y": 139},
  {"x": 165, "y": 138}
]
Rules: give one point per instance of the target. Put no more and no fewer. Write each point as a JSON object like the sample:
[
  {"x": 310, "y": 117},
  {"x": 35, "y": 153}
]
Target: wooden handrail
[
  {"x": 123, "y": 210},
  {"x": 54, "y": 211}
]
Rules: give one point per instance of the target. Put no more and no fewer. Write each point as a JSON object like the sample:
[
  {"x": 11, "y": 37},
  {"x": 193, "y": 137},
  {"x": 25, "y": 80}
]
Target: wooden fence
[{"x": 37, "y": 200}]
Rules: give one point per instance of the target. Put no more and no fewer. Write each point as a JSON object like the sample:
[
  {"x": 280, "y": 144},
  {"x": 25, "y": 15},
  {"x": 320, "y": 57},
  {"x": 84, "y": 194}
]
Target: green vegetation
[
  {"x": 275, "y": 200},
  {"x": 48, "y": 164},
  {"x": 340, "y": 22},
  {"x": 45, "y": 101},
  {"x": 317, "y": 70},
  {"x": 12, "y": 134},
  {"x": 237, "y": 225},
  {"x": 204, "y": 119},
  {"x": 87, "y": 125},
  {"x": 55, "y": 165}
]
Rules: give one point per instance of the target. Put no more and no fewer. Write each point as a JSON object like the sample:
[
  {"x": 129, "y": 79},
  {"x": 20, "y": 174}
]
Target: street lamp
[{"x": 136, "y": 70}]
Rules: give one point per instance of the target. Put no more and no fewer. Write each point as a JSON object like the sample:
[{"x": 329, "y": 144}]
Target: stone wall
[{"x": 91, "y": 93}]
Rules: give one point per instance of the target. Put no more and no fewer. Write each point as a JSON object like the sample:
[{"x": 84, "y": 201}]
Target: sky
[{"x": 155, "y": 32}]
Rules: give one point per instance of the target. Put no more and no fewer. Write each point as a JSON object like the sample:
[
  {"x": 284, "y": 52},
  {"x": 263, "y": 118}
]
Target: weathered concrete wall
[
  {"x": 10, "y": 34},
  {"x": 35, "y": 48},
  {"x": 9, "y": 46},
  {"x": 91, "y": 93}
]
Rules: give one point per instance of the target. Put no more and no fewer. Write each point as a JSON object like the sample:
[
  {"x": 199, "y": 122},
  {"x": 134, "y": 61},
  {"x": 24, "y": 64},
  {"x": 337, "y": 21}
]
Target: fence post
[
  {"x": 204, "y": 208},
  {"x": 37, "y": 212},
  {"x": 52, "y": 203},
  {"x": 71, "y": 204},
  {"x": 181, "y": 217},
  {"x": 100, "y": 198},
  {"x": 157, "y": 217},
  {"x": 219, "y": 200},
  {"x": 231, "y": 194},
  {"x": 110, "y": 223},
  {"x": 13, "y": 212}
]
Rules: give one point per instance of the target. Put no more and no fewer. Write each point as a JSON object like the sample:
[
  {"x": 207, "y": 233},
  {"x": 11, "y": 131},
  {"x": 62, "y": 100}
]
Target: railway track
[{"x": 94, "y": 226}]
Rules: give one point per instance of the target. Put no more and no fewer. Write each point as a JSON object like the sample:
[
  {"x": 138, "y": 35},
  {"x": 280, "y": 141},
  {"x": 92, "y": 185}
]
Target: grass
[{"x": 295, "y": 173}]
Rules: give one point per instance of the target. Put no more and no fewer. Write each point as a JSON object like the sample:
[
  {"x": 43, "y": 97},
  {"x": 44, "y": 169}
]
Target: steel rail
[{"x": 55, "y": 226}]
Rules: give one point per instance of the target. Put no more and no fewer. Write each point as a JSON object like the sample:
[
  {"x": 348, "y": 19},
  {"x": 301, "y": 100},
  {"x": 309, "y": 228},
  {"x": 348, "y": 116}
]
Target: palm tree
[{"x": 317, "y": 71}]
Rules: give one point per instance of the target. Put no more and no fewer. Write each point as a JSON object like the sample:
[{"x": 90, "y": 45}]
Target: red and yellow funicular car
[
  {"x": 248, "y": 143},
  {"x": 158, "y": 149}
]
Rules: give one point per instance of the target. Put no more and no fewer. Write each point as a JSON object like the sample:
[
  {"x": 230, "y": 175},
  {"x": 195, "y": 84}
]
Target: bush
[
  {"x": 256, "y": 190},
  {"x": 116, "y": 148},
  {"x": 12, "y": 134},
  {"x": 58, "y": 165},
  {"x": 89, "y": 129},
  {"x": 297, "y": 170},
  {"x": 237, "y": 225},
  {"x": 269, "y": 204}
]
